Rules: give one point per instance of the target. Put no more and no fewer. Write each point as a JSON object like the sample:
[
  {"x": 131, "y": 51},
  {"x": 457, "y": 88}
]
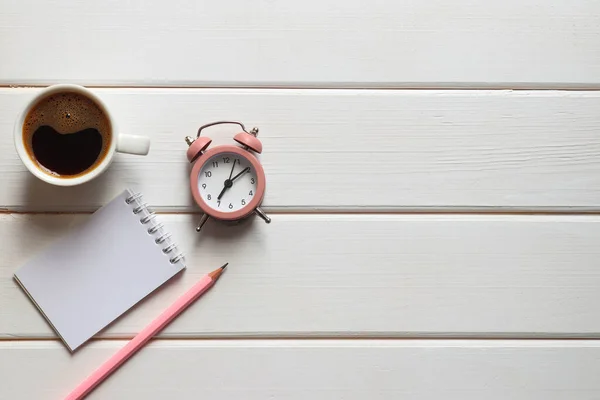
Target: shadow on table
[{"x": 38, "y": 195}]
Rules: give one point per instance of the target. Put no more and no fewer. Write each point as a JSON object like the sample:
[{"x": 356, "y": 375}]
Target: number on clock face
[{"x": 227, "y": 182}]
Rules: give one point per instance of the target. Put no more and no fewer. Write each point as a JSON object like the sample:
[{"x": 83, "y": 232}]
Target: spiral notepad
[{"x": 101, "y": 268}]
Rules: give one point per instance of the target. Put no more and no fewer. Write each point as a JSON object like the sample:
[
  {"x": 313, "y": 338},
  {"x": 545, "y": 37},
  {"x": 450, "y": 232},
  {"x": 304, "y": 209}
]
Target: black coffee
[
  {"x": 67, "y": 134},
  {"x": 69, "y": 154}
]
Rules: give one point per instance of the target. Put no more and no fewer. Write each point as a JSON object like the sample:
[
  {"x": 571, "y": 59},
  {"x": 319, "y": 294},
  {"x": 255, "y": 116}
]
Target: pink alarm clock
[{"x": 227, "y": 181}]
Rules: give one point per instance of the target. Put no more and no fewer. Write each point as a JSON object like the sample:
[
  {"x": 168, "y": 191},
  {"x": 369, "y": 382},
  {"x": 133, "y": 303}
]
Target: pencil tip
[{"x": 217, "y": 272}]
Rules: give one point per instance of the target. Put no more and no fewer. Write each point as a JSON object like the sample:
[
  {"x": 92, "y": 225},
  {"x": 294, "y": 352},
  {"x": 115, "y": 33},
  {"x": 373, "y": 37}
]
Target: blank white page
[{"x": 85, "y": 280}]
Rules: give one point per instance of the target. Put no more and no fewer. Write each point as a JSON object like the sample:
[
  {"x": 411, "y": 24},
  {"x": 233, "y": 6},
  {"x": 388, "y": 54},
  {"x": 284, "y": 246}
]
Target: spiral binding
[
  {"x": 147, "y": 219},
  {"x": 148, "y": 216},
  {"x": 153, "y": 229}
]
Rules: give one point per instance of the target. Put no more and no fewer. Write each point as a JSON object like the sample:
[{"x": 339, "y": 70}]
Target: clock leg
[
  {"x": 203, "y": 220},
  {"x": 262, "y": 214}
]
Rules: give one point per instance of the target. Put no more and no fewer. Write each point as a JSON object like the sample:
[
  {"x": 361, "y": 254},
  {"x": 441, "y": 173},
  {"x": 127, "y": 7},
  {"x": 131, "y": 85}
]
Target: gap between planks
[
  {"x": 383, "y": 211},
  {"x": 308, "y": 339},
  {"x": 355, "y": 86}
]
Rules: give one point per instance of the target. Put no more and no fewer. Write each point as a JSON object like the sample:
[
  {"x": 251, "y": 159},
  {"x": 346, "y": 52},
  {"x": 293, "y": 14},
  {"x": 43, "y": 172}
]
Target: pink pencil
[{"x": 146, "y": 334}]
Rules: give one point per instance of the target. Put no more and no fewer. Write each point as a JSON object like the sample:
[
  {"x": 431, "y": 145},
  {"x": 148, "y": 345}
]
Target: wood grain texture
[
  {"x": 355, "y": 275},
  {"x": 341, "y": 297},
  {"x": 356, "y": 150},
  {"x": 320, "y": 370},
  {"x": 356, "y": 43}
]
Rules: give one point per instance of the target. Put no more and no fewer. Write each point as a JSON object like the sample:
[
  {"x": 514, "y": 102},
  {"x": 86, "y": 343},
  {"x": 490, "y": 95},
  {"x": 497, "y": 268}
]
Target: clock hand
[
  {"x": 222, "y": 192},
  {"x": 232, "y": 167},
  {"x": 228, "y": 182},
  {"x": 242, "y": 172}
]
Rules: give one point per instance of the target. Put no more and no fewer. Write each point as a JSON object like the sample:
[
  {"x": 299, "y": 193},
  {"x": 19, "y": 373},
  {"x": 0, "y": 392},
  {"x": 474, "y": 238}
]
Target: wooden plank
[
  {"x": 290, "y": 369},
  {"x": 357, "y": 43},
  {"x": 347, "y": 150},
  {"x": 355, "y": 275}
]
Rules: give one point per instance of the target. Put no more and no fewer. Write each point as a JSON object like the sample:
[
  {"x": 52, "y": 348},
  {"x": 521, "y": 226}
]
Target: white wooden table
[{"x": 433, "y": 177}]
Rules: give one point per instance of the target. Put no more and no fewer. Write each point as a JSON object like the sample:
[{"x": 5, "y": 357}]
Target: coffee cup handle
[{"x": 133, "y": 144}]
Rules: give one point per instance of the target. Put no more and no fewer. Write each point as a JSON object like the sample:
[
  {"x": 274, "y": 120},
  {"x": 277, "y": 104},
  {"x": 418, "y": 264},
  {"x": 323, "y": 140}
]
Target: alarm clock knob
[
  {"x": 249, "y": 140},
  {"x": 196, "y": 147}
]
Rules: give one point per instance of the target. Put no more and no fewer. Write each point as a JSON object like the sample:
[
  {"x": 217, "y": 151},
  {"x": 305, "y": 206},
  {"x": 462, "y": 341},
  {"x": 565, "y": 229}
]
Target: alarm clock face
[{"x": 229, "y": 182}]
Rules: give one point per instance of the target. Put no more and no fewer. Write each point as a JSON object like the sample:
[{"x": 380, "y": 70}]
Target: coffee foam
[{"x": 67, "y": 113}]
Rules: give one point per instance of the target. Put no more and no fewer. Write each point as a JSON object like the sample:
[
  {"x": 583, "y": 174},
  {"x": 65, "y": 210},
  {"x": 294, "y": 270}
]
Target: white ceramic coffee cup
[{"x": 119, "y": 142}]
